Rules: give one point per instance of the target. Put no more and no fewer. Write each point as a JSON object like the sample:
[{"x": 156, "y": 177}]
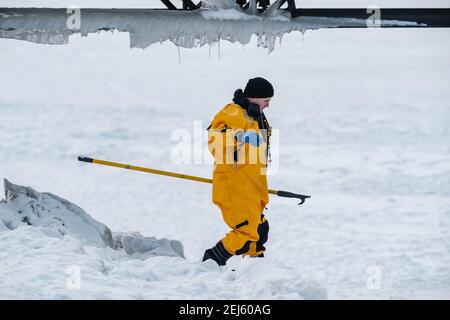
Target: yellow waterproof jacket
[{"x": 239, "y": 179}]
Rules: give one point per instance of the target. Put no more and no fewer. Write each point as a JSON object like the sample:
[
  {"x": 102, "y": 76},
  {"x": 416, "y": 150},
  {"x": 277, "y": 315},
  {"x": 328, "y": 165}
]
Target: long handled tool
[{"x": 279, "y": 193}]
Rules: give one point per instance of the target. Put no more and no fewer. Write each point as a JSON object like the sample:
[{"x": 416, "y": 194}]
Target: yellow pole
[{"x": 181, "y": 176}]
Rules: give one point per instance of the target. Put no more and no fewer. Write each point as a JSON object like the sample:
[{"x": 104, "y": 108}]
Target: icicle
[
  {"x": 259, "y": 40},
  {"x": 269, "y": 43},
  {"x": 303, "y": 34},
  {"x": 218, "y": 48},
  {"x": 179, "y": 56},
  {"x": 209, "y": 53}
]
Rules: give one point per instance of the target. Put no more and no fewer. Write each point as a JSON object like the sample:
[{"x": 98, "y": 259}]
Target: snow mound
[
  {"x": 52, "y": 249},
  {"x": 34, "y": 265},
  {"x": 59, "y": 217}
]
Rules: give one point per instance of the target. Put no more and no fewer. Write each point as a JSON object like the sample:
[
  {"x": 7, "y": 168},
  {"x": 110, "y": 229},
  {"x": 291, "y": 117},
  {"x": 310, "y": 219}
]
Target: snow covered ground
[
  {"x": 364, "y": 127},
  {"x": 52, "y": 249}
]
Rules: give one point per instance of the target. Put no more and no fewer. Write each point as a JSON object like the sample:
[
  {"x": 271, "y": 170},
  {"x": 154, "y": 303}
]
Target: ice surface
[{"x": 364, "y": 123}]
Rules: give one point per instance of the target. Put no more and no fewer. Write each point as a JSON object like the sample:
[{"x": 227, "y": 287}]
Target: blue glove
[{"x": 250, "y": 136}]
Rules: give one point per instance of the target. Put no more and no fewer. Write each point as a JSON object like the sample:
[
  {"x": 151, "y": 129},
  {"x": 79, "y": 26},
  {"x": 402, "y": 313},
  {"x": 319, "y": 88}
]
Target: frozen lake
[{"x": 364, "y": 127}]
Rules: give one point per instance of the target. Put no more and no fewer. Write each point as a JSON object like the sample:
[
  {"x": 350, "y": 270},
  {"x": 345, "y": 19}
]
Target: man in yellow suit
[{"x": 238, "y": 139}]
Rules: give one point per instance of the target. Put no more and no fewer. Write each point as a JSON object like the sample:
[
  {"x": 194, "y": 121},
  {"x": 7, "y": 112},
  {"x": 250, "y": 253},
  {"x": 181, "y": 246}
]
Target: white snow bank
[
  {"x": 52, "y": 249},
  {"x": 59, "y": 217},
  {"x": 36, "y": 266}
]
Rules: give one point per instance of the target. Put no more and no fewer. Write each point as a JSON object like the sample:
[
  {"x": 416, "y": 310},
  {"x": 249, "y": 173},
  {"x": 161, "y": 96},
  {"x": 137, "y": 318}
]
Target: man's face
[{"x": 261, "y": 102}]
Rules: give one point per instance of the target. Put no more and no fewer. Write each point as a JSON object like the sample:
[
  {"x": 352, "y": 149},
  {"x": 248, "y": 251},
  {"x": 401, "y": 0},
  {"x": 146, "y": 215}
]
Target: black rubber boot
[
  {"x": 263, "y": 231},
  {"x": 218, "y": 253}
]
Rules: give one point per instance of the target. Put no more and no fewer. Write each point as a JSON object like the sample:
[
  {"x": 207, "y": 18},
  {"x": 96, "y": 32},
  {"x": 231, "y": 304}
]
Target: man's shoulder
[
  {"x": 231, "y": 114},
  {"x": 232, "y": 109}
]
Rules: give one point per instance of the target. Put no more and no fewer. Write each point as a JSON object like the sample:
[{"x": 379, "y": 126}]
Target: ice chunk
[
  {"x": 49, "y": 210},
  {"x": 57, "y": 216},
  {"x": 135, "y": 243}
]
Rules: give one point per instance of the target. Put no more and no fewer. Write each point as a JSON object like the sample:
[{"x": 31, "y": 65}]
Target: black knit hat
[{"x": 258, "y": 88}]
